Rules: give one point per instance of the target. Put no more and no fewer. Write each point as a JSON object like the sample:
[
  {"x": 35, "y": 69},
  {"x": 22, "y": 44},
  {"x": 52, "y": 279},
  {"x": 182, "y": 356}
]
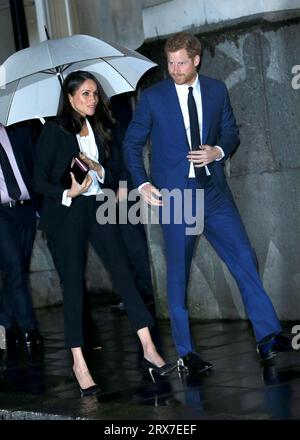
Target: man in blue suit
[{"x": 176, "y": 114}]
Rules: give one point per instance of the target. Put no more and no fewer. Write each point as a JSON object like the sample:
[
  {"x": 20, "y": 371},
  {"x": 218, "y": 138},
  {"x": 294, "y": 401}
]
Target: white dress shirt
[{"x": 182, "y": 93}]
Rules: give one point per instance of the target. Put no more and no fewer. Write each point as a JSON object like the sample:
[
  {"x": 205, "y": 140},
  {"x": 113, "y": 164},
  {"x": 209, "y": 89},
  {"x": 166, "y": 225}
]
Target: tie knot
[{"x": 191, "y": 89}]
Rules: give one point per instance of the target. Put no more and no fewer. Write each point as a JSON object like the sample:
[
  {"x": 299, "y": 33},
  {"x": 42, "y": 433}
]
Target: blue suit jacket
[{"x": 159, "y": 116}]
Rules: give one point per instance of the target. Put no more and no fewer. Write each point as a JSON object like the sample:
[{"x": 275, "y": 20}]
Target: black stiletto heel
[
  {"x": 161, "y": 371},
  {"x": 90, "y": 391}
]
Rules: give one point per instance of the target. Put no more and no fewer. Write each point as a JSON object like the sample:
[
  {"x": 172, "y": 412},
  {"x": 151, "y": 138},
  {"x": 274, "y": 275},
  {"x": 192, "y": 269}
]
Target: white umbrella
[{"x": 29, "y": 79}]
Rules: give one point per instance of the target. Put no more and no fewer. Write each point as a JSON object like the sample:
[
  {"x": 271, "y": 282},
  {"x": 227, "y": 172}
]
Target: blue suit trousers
[{"x": 225, "y": 231}]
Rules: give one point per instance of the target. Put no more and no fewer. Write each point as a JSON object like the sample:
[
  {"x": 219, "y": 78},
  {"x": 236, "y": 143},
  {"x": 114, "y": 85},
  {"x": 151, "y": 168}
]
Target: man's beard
[{"x": 183, "y": 78}]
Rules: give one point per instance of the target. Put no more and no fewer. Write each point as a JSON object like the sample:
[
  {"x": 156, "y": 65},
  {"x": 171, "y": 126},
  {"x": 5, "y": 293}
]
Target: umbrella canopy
[{"x": 29, "y": 82}]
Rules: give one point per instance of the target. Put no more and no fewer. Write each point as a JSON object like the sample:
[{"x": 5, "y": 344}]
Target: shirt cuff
[
  {"x": 141, "y": 186},
  {"x": 221, "y": 149},
  {"x": 65, "y": 199},
  {"x": 101, "y": 179}
]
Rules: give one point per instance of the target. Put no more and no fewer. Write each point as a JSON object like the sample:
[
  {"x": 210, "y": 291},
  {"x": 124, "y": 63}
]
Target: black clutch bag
[{"x": 79, "y": 169}]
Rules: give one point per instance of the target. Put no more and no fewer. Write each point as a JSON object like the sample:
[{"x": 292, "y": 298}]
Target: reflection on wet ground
[{"x": 39, "y": 385}]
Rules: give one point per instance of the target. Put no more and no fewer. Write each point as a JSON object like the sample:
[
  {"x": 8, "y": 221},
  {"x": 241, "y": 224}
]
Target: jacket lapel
[
  {"x": 174, "y": 105},
  {"x": 100, "y": 150},
  {"x": 207, "y": 102}
]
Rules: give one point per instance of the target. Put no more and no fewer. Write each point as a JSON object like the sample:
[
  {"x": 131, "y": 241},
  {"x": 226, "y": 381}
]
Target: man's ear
[{"x": 197, "y": 60}]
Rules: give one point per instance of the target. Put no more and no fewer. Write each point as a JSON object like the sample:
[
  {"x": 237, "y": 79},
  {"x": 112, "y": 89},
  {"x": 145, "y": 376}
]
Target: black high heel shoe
[
  {"x": 161, "y": 371},
  {"x": 90, "y": 391}
]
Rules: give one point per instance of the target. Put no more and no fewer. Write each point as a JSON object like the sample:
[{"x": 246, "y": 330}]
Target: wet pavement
[{"x": 40, "y": 385}]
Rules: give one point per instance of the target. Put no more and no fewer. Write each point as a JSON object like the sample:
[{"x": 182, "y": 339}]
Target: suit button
[{"x": 186, "y": 176}]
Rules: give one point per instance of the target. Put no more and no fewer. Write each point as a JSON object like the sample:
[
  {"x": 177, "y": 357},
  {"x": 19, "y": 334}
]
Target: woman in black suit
[{"x": 84, "y": 127}]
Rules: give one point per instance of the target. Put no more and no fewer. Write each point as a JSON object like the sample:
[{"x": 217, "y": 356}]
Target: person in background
[{"x": 17, "y": 233}]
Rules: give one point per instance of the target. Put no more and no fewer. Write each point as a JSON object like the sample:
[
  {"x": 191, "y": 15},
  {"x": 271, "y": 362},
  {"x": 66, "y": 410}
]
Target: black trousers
[
  {"x": 17, "y": 233},
  {"x": 68, "y": 247},
  {"x": 135, "y": 240}
]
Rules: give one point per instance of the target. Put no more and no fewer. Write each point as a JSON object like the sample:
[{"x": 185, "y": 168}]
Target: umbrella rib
[
  {"x": 131, "y": 85},
  {"x": 49, "y": 53}
]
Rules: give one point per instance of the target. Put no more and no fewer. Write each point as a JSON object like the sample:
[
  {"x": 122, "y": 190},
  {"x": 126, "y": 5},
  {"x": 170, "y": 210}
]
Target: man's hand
[
  {"x": 204, "y": 156},
  {"x": 151, "y": 195},
  {"x": 77, "y": 188}
]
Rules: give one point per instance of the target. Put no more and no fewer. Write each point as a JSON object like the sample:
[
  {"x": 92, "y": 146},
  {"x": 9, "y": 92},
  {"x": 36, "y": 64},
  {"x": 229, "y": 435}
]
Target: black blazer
[{"x": 55, "y": 149}]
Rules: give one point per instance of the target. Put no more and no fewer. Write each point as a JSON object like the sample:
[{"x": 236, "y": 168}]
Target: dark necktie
[
  {"x": 12, "y": 186},
  {"x": 195, "y": 134}
]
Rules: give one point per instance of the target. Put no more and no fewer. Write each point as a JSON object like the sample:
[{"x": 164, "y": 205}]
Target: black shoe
[
  {"x": 90, "y": 391},
  {"x": 161, "y": 371},
  {"x": 32, "y": 338},
  {"x": 269, "y": 348},
  {"x": 266, "y": 349},
  {"x": 283, "y": 342},
  {"x": 193, "y": 362}
]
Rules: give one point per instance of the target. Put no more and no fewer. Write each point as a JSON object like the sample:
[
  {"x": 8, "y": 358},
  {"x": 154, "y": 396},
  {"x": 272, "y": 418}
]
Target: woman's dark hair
[{"x": 102, "y": 121}]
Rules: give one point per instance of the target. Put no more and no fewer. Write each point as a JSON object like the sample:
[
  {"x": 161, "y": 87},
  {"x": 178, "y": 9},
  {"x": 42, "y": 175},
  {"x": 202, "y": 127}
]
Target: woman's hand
[
  {"x": 93, "y": 165},
  {"x": 77, "y": 188}
]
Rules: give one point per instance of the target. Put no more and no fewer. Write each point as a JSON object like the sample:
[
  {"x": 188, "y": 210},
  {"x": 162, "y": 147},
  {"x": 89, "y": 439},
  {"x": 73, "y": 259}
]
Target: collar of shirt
[{"x": 182, "y": 93}]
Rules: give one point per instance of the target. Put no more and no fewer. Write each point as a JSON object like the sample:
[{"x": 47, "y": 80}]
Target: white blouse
[{"x": 88, "y": 147}]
